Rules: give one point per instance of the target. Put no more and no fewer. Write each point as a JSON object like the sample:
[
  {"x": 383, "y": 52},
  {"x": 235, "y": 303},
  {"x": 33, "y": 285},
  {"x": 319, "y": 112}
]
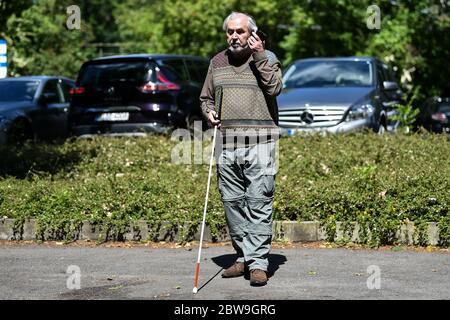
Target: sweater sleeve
[
  {"x": 207, "y": 94},
  {"x": 270, "y": 71}
]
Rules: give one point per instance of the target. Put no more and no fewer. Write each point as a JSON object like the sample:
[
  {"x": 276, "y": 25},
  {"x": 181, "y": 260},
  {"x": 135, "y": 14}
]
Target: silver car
[{"x": 338, "y": 95}]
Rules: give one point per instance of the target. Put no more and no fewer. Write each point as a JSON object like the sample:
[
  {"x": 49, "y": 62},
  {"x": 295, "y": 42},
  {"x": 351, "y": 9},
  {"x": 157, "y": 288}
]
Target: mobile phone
[{"x": 261, "y": 35}]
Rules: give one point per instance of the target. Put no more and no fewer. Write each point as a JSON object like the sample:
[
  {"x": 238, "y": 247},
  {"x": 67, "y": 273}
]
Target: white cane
[
  {"x": 218, "y": 103},
  {"x": 204, "y": 212}
]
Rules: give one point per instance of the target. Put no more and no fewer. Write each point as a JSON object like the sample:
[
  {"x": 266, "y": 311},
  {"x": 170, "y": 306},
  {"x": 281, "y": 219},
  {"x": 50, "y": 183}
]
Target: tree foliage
[
  {"x": 40, "y": 43},
  {"x": 8, "y": 8},
  {"x": 414, "y": 36}
]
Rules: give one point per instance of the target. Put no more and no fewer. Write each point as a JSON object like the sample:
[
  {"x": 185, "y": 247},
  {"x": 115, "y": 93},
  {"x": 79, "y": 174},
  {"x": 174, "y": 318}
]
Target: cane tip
[{"x": 194, "y": 291}]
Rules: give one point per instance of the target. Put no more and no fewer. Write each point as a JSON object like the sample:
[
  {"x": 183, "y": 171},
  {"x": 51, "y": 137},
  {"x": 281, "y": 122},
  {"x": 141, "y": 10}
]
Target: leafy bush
[
  {"x": 407, "y": 114},
  {"x": 379, "y": 181}
]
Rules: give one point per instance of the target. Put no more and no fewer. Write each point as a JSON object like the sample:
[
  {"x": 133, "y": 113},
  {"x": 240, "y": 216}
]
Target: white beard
[{"x": 239, "y": 50}]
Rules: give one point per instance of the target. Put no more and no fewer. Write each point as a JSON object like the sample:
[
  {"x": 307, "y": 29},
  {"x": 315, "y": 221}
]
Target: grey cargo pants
[{"x": 246, "y": 182}]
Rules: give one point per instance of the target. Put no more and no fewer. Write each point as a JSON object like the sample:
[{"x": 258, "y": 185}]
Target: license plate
[{"x": 113, "y": 116}]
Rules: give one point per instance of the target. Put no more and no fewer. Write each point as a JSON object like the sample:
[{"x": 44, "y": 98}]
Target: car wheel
[{"x": 20, "y": 132}]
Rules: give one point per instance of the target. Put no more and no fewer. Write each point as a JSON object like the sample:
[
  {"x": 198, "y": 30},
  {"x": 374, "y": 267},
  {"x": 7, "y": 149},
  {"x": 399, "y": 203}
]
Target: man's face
[{"x": 238, "y": 33}]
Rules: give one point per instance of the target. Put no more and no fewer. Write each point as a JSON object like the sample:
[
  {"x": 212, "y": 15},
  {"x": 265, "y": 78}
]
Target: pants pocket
[{"x": 268, "y": 186}]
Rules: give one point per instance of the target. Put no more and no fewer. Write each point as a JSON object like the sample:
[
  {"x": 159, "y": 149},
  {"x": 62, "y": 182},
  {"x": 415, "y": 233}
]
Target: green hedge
[{"x": 379, "y": 181}]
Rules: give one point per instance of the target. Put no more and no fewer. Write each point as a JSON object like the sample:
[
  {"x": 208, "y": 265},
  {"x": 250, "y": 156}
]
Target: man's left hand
[{"x": 255, "y": 43}]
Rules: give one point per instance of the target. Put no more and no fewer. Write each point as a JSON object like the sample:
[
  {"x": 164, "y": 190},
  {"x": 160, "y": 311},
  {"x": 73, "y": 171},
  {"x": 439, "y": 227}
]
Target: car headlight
[{"x": 361, "y": 111}]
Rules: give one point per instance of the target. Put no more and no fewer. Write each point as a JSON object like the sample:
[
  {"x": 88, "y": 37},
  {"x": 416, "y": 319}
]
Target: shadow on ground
[
  {"x": 226, "y": 260},
  {"x": 275, "y": 260}
]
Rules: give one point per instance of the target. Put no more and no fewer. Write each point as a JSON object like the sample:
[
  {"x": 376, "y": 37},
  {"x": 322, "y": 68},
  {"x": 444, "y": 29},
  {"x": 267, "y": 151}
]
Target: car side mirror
[
  {"x": 48, "y": 98},
  {"x": 390, "y": 86}
]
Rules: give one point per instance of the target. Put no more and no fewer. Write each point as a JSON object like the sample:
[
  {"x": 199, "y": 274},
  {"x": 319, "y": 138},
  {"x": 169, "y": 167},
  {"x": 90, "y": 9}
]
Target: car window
[
  {"x": 52, "y": 87},
  {"x": 390, "y": 75},
  {"x": 328, "y": 73},
  {"x": 18, "y": 90},
  {"x": 380, "y": 75},
  {"x": 65, "y": 87},
  {"x": 116, "y": 71},
  {"x": 173, "y": 69},
  {"x": 197, "y": 70}
]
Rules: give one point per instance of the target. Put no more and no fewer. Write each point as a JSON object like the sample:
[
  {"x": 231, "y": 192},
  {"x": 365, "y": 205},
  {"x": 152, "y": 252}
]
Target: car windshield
[
  {"x": 310, "y": 74},
  {"x": 17, "y": 90},
  {"x": 136, "y": 72}
]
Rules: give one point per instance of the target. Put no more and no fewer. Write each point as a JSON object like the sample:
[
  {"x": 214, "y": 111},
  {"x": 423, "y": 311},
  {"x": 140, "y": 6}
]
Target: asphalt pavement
[{"x": 67, "y": 272}]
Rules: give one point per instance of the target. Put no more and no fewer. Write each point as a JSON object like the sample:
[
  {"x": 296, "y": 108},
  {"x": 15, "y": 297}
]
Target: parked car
[
  {"x": 435, "y": 115},
  {"x": 34, "y": 107},
  {"x": 338, "y": 95},
  {"x": 137, "y": 94}
]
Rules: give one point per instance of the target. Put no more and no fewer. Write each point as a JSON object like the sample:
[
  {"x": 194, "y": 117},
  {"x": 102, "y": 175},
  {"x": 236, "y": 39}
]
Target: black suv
[
  {"x": 338, "y": 95},
  {"x": 136, "y": 94}
]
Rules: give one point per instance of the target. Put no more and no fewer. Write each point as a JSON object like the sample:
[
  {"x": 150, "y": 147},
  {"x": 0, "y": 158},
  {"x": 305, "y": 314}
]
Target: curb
[{"x": 291, "y": 231}]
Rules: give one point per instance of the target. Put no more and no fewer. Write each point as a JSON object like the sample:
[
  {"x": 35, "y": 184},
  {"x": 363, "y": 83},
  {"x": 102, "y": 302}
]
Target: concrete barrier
[{"x": 292, "y": 231}]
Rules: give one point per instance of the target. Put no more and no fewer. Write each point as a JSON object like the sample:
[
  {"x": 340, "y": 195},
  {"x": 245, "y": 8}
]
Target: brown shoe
[
  {"x": 236, "y": 270},
  {"x": 258, "y": 277}
]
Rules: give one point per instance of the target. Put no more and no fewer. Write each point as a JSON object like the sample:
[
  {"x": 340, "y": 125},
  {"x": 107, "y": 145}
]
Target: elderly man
[{"x": 250, "y": 79}]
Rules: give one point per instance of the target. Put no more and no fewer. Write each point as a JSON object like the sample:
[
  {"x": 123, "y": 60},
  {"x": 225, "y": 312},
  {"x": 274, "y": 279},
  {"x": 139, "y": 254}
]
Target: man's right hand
[{"x": 212, "y": 118}]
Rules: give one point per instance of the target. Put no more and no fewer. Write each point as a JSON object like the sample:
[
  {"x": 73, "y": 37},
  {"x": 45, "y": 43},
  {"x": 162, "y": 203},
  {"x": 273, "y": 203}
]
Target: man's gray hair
[{"x": 251, "y": 22}]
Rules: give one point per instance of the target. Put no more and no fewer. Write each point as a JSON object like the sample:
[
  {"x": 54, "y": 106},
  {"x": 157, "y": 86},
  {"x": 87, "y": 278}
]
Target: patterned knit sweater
[{"x": 249, "y": 106}]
